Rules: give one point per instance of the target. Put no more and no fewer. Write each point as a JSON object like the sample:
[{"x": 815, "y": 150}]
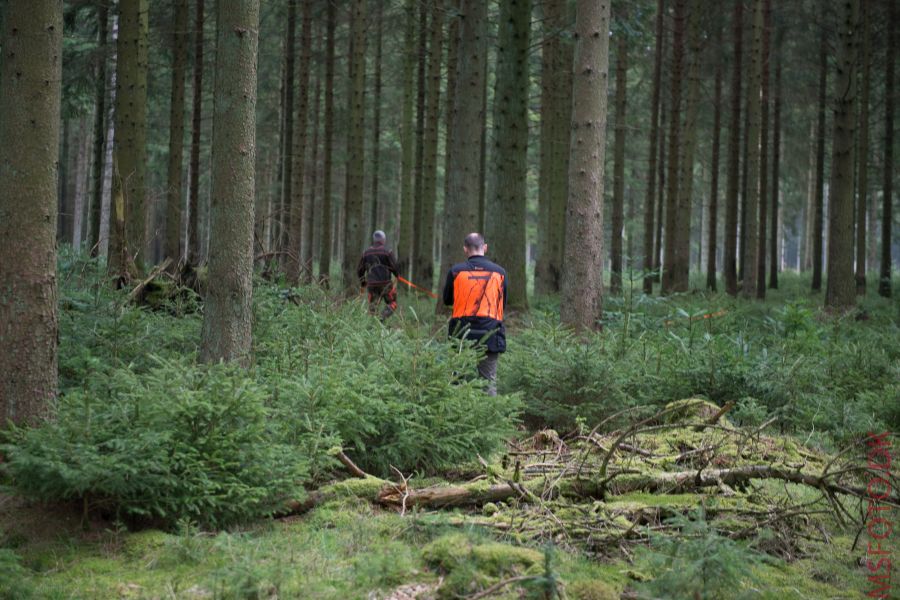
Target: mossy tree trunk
[
  {"x": 884, "y": 275},
  {"x": 328, "y": 148},
  {"x": 423, "y": 269},
  {"x": 506, "y": 209},
  {"x": 650, "y": 196},
  {"x": 228, "y": 303},
  {"x": 99, "y": 149},
  {"x": 729, "y": 259},
  {"x": 618, "y": 207},
  {"x": 176, "y": 133},
  {"x": 582, "y": 286},
  {"x": 840, "y": 291},
  {"x": 194, "y": 246},
  {"x": 819, "y": 197},
  {"x": 31, "y": 72},
  {"x": 461, "y": 206},
  {"x": 556, "y": 113},
  {"x": 407, "y": 142},
  {"x": 130, "y": 142},
  {"x": 354, "y": 219},
  {"x": 713, "y": 216},
  {"x": 672, "y": 193},
  {"x": 754, "y": 128}
]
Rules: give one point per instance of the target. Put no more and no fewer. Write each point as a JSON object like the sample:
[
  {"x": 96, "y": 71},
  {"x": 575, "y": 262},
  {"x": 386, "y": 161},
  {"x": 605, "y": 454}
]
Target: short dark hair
[{"x": 474, "y": 241}]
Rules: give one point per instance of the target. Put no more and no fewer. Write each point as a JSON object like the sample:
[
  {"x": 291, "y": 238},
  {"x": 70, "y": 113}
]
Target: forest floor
[{"x": 737, "y": 494}]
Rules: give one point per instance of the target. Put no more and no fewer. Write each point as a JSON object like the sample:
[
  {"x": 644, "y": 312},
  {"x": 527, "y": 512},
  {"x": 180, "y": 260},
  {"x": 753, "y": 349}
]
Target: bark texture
[
  {"x": 461, "y": 207},
  {"x": 582, "y": 289},
  {"x": 887, "y": 207},
  {"x": 713, "y": 216},
  {"x": 729, "y": 266},
  {"x": 862, "y": 202},
  {"x": 775, "y": 247},
  {"x": 287, "y": 138},
  {"x": 618, "y": 207},
  {"x": 176, "y": 134},
  {"x": 762, "y": 240},
  {"x": 840, "y": 291},
  {"x": 99, "y": 149},
  {"x": 228, "y": 304},
  {"x": 328, "y": 149},
  {"x": 31, "y": 72},
  {"x": 754, "y": 128},
  {"x": 650, "y": 196},
  {"x": 672, "y": 192},
  {"x": 296, "y": 264},
  {"x": 407, "y": 142},
  {"x": 506, "y": 210},
  {"x": 193, "y": 250},
  {"x": 127, "y": 239},
  {"x": 819, "y": 197}
]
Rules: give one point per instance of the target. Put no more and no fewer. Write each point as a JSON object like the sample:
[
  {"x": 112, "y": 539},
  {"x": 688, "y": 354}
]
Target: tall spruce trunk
[
  {"x": 99, "y": 150},
  {"x": 378, "y": 213},
  {"x": 287, "y": 138},
  {"x": 762, "y": 240},
  {"x": 176, "y": 134},
  {"x": 194, "y": 245},
  {"x": 729, "y": 259},
  {"x": 419, "y": 182},
  {"x": 775, "y": 235},
  {"x": 556, "y": 109},
  {"x": 407, "y": 143},
  {"x": 862, "y": 202},
  {"x": 819, "y": 198},
  {"x": 618, "y": 207},
  {"x": 127, "y": 239},
  {"x": 307, "y": 197},
  {"x": 810, "y": 205},
  {"x": 452, "y": 58},
  {"x": 297, "y": 261},
  {"x": 424, "y": 266},
  {"x": 325, "y": 247},
  {"x": 713, "y": 216},
  {"x": 884, "y": 275},
  {"x": 506, "y": 209},
  {"x": 672, "y": 193},
  {"x": 228, "y": 306},
  {"x": 354, "y": 219},
  {"x": 661, "y": 167},
  {"x": 31, "y": 71},
  {"x": 461, "y": 206},
  {"x": 650, "y": 196},
  {"x": 754, "y": 131},
  {"x": 840, "y": 291},
  {"x": 315, "y": 219},
  {"x": 582, "y": 285}
]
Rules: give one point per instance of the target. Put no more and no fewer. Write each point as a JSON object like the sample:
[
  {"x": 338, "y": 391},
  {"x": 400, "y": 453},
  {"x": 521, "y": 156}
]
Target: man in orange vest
[{"x": 476, "y": 289}]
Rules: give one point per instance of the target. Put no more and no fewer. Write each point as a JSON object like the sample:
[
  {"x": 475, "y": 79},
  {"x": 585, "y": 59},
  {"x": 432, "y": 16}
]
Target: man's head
[
  {"x": 474, "y": 245},
  {"x": 378, "y": 237}
]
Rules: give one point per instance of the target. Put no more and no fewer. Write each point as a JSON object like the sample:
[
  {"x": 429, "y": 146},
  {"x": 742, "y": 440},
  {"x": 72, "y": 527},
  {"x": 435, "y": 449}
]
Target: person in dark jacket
[
  {"x": 375, "y": 269},
  {"x": 476, "y": 289}
]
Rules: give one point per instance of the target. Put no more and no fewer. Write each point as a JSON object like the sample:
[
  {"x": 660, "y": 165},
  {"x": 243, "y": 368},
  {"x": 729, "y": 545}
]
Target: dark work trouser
[{"x": 487, "y": 369}]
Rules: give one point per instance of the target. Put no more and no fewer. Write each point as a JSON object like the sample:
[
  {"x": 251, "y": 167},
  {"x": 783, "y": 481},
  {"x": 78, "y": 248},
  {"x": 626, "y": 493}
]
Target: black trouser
[{"x": 487, "y": 369}]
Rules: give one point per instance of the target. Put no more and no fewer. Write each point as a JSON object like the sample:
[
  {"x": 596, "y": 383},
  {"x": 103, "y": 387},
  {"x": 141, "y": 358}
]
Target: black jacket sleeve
[{"x": 448, "y": 289}]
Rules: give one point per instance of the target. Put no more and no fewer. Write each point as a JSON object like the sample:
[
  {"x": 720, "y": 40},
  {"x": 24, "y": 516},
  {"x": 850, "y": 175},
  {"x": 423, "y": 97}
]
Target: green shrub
[
  {"x": 179, "y": 441},
  {"x": 14, "y": 581}
]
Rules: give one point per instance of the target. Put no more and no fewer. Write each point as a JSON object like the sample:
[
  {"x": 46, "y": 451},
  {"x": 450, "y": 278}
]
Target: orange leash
[{"x": 412, "y": 285}]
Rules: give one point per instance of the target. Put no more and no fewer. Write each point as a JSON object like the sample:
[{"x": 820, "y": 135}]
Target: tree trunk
[
  {"x": 840, "y": 291},
  {"x": 754, "y": 112},
  {"x": 423, "y": 269},
  {"x": 650, "y": 196},
  {"x": 296, "y": 264},
  {"x": 31, "y": 71},
  {"x": 130, "y": 145},
  {"x": 884, "y": 275},
  {"x": 308, "y": 194},
  {"x": 582, "y": 285},
  {"x": 671, "y": 239},
  {"x": 713, "y": 216},
  {"x": 506, "y": 210},
  {"x": 377, "y": 213},
  {"x": 556, "y": 109},
  {"x": 452, "y": 59},
  {"x": 228, "y": 307},
  {"x": 176, "y": 134},
  {"x": 864, "y": 84},
  {"x": 65, "y": 191},
  {"x": 618, "y": 207},
  {"x": 762, "y": 239},
  {"x": 99, "y": 130},
  {"x": 407, "y": 144},
  {"x": 421, "y": 101},
  {"x": 775, "y": 247},
  {"x": 354, "y": 218},
  {"x": 819, "y": 199},
  {"x": 729, "y": 265},
  {"x": 287, "y": 138},
  {"x": 194, "y": 244},
  {"x": 461, "y": 205},
  {"x": 661, "y": 188},
  {"x": 81, "y": 178},
  {"x": 810, "y": 206},
  {"x": 315, "y": 218},
  {"x": 325, "y": 247}
]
